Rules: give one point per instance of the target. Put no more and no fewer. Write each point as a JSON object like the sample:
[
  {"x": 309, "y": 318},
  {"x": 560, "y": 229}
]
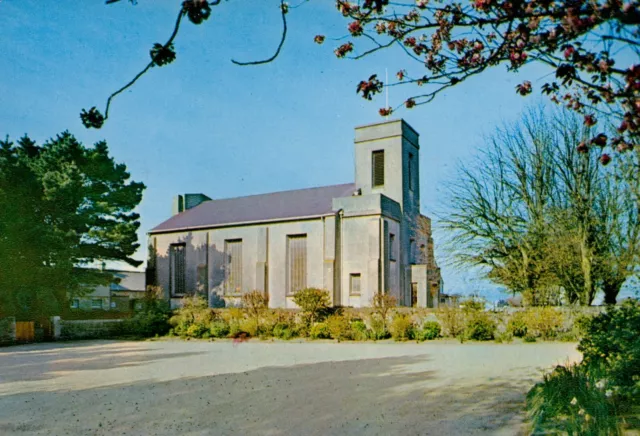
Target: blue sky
[{"x": 205, "y": 125}]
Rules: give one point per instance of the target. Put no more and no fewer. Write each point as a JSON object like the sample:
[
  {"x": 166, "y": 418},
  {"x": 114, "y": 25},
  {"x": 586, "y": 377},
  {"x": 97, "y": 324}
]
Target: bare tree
[{"x": 541, "y": 215}]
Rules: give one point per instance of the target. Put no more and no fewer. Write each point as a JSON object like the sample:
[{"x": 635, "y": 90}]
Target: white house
[{"x": 353, "y": 240}]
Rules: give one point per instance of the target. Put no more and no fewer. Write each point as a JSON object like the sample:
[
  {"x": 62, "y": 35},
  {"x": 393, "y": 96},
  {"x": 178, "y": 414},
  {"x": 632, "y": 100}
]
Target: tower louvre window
[
  {"x": 377, "y": 168},
  {"x": 409, "y": 171}
]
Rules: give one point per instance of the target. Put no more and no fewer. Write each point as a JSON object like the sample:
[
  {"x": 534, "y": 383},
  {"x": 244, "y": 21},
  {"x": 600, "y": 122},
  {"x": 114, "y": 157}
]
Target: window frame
[
  {"x": 75, "y": 303},
  {"x": 290, "y": 291},
  {"x": 392, "y": 253},
  {"x": 93, "y": 306},
  {"x": 174, "y": 249},
  {"x": 410, "y": 171},
  {"x": 353, "y": 276},
  {"x": 374, "y": 157},
  {"x": 229, "y": 264}
]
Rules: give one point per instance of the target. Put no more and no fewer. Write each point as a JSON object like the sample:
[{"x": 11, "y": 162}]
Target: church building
[{"x": 353, "y": 240}]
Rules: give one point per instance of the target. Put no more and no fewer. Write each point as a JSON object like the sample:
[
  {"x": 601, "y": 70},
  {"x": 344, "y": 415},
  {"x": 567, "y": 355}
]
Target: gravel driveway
[{"x": 270, "y": 388}]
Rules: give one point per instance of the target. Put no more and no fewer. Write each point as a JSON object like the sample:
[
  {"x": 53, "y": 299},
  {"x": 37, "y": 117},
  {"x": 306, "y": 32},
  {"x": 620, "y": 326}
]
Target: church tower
[{"x": 386, "y": 162}]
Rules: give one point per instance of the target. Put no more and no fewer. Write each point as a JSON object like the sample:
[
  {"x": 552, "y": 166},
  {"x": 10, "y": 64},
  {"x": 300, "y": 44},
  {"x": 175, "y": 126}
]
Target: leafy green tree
[{"x": 62, "y": 206}]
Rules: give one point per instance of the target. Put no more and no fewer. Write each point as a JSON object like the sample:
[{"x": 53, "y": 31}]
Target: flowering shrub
[
  {"x": 573, "y": 400},
  {"x": 590, "y": 397},
  {"x": 612, "y": 341}
]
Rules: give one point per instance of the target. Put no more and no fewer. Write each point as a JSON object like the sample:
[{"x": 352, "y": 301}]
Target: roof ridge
[{"x": 279, "y": 192}]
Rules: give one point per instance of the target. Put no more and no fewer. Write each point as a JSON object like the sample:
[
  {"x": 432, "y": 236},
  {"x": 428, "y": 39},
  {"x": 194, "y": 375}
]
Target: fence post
[{"x": 56, "y": 327}]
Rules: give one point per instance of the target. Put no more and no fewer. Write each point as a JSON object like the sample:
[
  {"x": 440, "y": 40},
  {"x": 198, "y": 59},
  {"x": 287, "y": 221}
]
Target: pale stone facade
[{"x": 353, "y": 240}]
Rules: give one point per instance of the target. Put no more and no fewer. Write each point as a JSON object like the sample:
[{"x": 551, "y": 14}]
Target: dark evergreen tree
[{"x": 62, "y": 206}]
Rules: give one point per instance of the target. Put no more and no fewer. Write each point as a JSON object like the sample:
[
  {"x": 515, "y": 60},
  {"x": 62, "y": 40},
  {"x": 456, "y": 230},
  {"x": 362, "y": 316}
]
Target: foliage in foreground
[{"x": 594, "y": 396}]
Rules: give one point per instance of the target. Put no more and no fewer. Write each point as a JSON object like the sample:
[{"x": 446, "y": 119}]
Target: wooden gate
[{"x": 25, "y": 331}]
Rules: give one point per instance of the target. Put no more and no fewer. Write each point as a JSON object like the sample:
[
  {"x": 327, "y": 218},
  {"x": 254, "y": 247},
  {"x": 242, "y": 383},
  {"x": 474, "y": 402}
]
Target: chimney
[{"x": 187, "y": 201}]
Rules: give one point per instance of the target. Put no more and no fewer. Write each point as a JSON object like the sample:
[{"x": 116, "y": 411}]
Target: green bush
[
  {"x": 574, "y": 401},
  {"x": 196, "y": 331},
  {"x": 339, "y": 327},
  {"x": 612, "y": 342},
  {"x": 312, "y": 302},
  {"x": 529, "y": 338},
  {"x": 543, "y": 322},
  {"x": 480, "y": 327},
  {"x": 149, "y": 323},
  {"x": 452, "y": 321},
  {"x": 219, "y": 329},
  {"x": 284, "y": 331},
  {"x": 359, "y": 330},
  {"x": 194, "y": 311},
  {"x": 402, "y": 327},
  {"x": 517, "y": 325},
  {"x": 430, "y": 330},
  {"x": 378, "y": 329},
  {"x": 501, "y": 337},
  {"x": 319, "y": 331}
]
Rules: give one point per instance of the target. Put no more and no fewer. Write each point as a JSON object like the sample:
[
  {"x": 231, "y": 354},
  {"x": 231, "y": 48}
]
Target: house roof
[
  {"x": 129, "y": 281},
  {"x": 283, "y": 205}
]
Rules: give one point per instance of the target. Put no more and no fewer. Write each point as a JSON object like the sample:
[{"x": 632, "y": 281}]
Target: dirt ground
[{"x": 270, "y": 388}]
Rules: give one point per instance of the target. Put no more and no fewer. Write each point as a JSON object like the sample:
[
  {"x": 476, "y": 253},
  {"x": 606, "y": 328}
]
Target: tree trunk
[
  {"x": 588, "y": 292},
  {"x": 611, "y": 289}
]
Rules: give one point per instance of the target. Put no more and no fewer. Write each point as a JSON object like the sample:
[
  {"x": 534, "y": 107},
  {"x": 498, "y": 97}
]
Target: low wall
[{"x": 91, "y": 329}]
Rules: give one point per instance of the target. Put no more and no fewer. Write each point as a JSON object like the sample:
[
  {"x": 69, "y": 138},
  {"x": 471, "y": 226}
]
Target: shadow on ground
[
  {"x": 372, "y": 397},
  {"x": 44, "y": 364}
]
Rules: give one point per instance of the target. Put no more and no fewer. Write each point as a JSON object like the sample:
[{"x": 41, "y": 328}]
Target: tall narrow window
[
  {"x": 412, "y": 251},
  {"x": 296, "y": 263},
  {"x": 377, "y": 168},
  {"x": 354, "y": 288},
  {"x": 409, "y": 171},
  {"x": 176, "y": 269},
  {"x": 233, "y": 267},
  {"x": 392, "y": 246}
]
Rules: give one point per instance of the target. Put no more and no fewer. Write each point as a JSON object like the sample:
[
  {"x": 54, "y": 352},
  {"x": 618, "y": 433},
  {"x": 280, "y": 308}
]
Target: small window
[
  {"x": 377, "y": 168},
  {"x": 113, "y": 304},
  {"x": 392, "y": 246},
  {"x": 409, "y": 172},
  {"x": 177, "y": 269},
  {"x": 96, "y": 303},
  {"x": 354, "y": 286},
  {"x": 233, "y": 267},
  {"x": 296, "y": 263},
  {"x": 75, "y": 303}
]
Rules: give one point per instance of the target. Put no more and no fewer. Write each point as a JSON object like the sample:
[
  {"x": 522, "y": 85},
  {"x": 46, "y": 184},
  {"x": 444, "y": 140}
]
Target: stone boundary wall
[{"x": 89, "y": 329}]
